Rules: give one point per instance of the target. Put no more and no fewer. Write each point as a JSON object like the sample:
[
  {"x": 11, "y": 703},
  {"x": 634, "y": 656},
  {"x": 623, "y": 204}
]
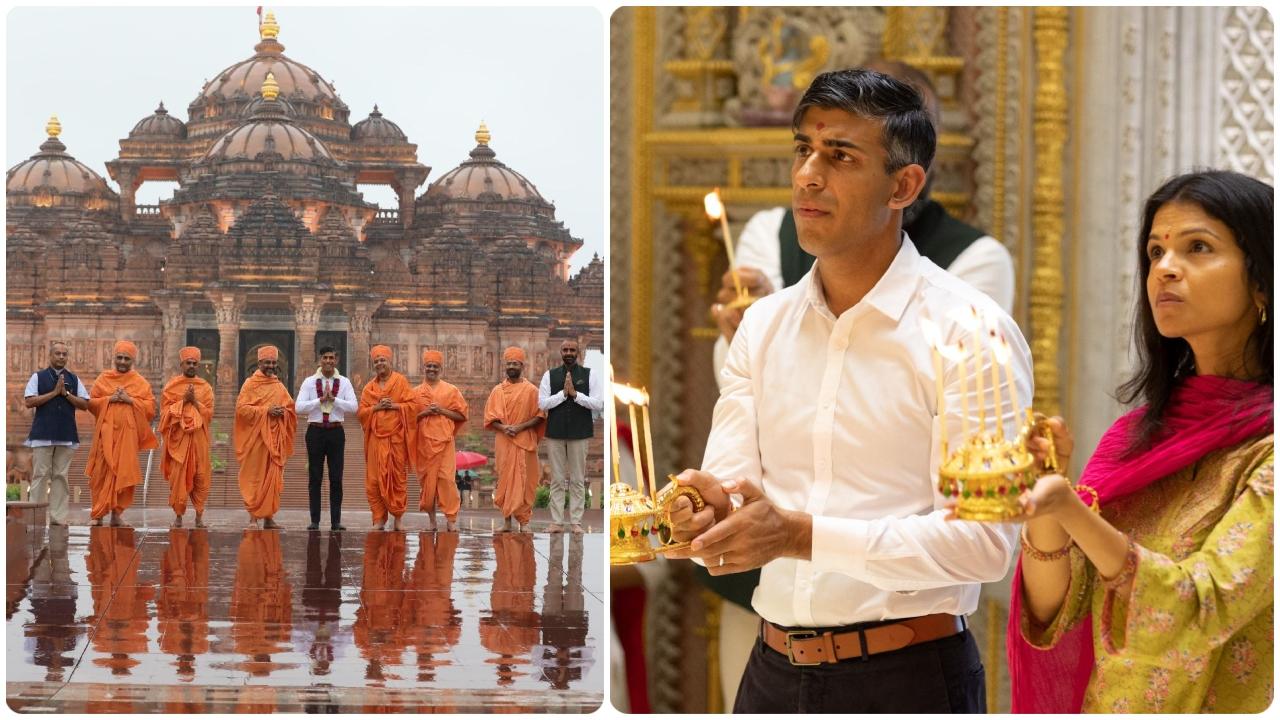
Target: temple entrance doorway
[{"x": 251, "y": 340}]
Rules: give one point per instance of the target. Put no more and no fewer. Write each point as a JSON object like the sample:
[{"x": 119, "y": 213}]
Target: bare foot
[
  {"x": 506, "y": 524},
  {"x": 177, "y": 521},
  {"x": 200, "y": 521},
  {"x": 576, "y": 528},
  {"x": 451, "y": 525},
  {"x": 118, "y": 521},
  {"x": 270, "y": 524},
  {"x": 396, "y": 527},
  {"x": 97, "y": 522},
  {"x": 524, "y": 527}
]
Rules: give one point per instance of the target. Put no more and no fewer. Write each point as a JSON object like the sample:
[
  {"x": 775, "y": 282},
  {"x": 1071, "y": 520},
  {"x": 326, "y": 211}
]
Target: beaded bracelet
[
  {"x": 1127, "y": 572},
  {"x": 1041, "y": 555}
]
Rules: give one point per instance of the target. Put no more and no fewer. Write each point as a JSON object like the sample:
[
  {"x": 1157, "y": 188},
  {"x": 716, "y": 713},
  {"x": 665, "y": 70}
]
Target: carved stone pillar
[
  {"x": 127, "y": 177},
  {"x": 306, "y": 314},
  {"x": 405, "y": 192},
  {"x": 227, "y": 308},
  {"x": 175, "y": 330},
  {"x": 361, "y": 329}
]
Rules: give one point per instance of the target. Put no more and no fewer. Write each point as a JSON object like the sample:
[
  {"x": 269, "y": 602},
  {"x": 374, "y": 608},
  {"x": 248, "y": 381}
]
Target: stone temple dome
[
  {"x": 483, "y": 177},
  {"x": 245, "y": 77},
  {"x": 52, "y": 170},
  {"x": 159, "y": 124},
  {"x": 376, "y": 129},
  {"x": 269, "y": 130}
]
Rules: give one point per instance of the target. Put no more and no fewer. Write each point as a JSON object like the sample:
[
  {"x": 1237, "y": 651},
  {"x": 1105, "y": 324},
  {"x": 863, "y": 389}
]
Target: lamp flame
[{"x": 713, "y": 205}]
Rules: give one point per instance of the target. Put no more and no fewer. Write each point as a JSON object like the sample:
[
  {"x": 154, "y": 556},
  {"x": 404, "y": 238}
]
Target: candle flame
[
  {"x": 992, "y": 323},
  {"x": 932, "y": 334},
  {"x": 953, "y": 353},
  {"x": 713, "y": 205},
  {"x": 628, "y": 395},
  {"x": 966, "y": 317},
  {"x": 1002, "y": 350}
]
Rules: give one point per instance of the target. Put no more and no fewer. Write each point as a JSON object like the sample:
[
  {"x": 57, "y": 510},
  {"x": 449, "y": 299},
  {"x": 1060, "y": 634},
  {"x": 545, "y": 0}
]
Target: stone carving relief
[
  {"x": 1246, "y": 142},
  {"x": 778, "y": 51}
]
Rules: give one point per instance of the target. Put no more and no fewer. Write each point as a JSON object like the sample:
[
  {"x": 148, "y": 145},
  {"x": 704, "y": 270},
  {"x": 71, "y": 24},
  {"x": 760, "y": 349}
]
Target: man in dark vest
[
  {"x": 56, "y": 394},
  {"x": 769, "y": 258},
  {"x": 571, "y": 413}
]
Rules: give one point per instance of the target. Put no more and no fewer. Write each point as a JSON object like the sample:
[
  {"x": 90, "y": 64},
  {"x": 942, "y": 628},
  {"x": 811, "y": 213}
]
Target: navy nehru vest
[
  {"x": 55, "y": 420},
  {"x": 569, "y": 420}
]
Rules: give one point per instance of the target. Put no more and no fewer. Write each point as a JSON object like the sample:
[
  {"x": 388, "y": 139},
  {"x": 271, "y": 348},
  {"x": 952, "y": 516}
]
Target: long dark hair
[{"x": 1245, "y": 206}]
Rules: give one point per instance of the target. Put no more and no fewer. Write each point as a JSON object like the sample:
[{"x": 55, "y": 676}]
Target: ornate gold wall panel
[{"x": 1051, "y": 26}]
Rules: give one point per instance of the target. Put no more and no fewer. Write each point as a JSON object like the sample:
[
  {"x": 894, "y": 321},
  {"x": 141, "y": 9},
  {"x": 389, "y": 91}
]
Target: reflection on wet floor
[{"x": 184, "y": 620}]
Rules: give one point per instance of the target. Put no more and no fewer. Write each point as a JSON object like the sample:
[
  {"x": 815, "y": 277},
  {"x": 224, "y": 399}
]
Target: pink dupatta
[{"x": 1206, "y": 413}]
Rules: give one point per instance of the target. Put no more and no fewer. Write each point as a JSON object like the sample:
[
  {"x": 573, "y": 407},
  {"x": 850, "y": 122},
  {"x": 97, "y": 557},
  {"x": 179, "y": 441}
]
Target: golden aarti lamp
[
  {"x": 986, "y": 471},
  {"x": 640, "y": 524},
  {"x": 716, "y": 211}
]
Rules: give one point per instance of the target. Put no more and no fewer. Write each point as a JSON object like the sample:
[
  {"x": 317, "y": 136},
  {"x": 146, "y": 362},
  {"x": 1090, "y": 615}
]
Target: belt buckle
[{"x": 799, "y": 635}]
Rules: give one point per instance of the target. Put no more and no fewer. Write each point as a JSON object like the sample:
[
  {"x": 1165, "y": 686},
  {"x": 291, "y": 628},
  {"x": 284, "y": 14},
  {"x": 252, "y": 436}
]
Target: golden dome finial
[
  {"x": 270, "y": 88},
  {"x": 269, "y": 29},
  {"x": 482, "y": 135},
  {"x": 53, "y": 127}
]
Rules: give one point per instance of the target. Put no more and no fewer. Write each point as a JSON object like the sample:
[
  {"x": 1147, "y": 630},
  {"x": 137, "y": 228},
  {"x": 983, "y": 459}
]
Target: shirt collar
[
  {"x": 320, "y": 374},
  {"x": 892, "y": 291}
]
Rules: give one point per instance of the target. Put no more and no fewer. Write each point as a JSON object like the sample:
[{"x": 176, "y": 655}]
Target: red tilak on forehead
[{"x": 821, "y": 125}]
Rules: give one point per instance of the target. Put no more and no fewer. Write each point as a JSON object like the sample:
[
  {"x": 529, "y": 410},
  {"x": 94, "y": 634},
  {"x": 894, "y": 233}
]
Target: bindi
[{"x": 821, "y": 125}]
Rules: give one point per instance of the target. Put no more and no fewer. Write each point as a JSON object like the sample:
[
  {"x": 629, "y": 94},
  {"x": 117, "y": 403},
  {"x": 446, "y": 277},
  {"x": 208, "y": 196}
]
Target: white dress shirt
[
  {"x": 592, "y": 400},
  {"x": 32, "y": 390},
  {"x": 308, "y": 402},
  {"x": 836, "y": 417},
  {"x": 986, "y": 264}
]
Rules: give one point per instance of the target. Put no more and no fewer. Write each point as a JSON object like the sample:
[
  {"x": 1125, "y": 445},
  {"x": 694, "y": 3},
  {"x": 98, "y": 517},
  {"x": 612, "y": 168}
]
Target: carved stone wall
[{"x": 1169, "y": 90}]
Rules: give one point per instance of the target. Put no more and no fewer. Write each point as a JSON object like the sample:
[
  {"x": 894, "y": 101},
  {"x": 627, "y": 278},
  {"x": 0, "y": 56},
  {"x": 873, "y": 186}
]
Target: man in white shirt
[
  {"x": 769, "y": 257},
  {"x": 826, "y": 434},
  {"x": 571, "y": 413},
  {"x": 55, "y": 393},
  {"x": 326, "y": 398}
]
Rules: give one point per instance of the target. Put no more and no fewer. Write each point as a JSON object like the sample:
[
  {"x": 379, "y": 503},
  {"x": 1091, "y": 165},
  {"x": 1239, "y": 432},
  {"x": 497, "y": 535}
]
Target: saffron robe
[
  {"x": 263, "y": 443},
  {"x": 390, "y": 440},
  {"x": 185, "y": 428},
  {"x": 512, "y": 403},
  {"x": 120, "y": 431},
  {"x": 435, "y": 460}
]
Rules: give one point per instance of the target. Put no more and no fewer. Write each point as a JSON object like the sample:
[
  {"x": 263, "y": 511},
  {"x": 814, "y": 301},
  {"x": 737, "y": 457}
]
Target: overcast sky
[{"x": 536, "y": 76}]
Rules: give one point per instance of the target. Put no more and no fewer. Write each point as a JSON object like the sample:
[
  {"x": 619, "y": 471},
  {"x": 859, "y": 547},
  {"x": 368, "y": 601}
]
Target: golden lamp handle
[{"x": 666, "y": 498}]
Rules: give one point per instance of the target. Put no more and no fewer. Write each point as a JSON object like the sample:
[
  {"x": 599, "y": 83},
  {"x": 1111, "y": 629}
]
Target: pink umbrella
[{"x": 467, "y": 459}]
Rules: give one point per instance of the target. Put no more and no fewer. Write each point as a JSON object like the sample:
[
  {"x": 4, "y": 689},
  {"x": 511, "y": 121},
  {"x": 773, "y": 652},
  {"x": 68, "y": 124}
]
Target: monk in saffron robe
[
  {"x": 443, "y": 416},
  {"x": 433, "y": 624},
  {"x": 261, "y": 615},
  {"x": 510, "y": 629},
  {"x": 186, "y": 414},
  {"x": 182, "y": 605},
  {"x": 512, "y": 412},
  {"x": 388, "y": 409},
  {"x": 265, "y": 425},
  {"x": 378, "y": 629},
  {"x": 120, "y": 601},
  {"x": 122, "y": 405}
]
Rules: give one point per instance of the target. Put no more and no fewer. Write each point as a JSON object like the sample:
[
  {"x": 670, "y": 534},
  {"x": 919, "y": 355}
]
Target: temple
[{"x": 267, "y": 239}]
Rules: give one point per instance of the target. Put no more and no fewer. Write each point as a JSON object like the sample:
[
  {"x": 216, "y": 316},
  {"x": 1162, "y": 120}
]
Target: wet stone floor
[{"x": 227, "y": 620}]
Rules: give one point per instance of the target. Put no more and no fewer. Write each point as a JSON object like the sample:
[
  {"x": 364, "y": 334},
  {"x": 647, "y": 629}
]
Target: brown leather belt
[{"x": 809, "y": 647}]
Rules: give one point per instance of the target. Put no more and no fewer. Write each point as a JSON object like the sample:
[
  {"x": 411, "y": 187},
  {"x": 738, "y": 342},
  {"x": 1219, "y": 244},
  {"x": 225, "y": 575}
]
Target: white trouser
[
  {"x": 49, "y": 466},
  {"x": 570, "y": 456}
]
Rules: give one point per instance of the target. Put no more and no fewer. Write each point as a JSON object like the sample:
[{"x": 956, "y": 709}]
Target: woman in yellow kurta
[{"x": 1162, "y": 602}]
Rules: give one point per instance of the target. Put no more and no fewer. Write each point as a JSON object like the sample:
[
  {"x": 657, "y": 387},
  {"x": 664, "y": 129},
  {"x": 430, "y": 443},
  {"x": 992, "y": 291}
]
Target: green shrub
[{"x": 12, "y": 493}]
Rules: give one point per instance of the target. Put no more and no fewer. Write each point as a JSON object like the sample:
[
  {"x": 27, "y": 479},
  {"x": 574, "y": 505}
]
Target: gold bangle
[{"x": 1042, "y": 556}]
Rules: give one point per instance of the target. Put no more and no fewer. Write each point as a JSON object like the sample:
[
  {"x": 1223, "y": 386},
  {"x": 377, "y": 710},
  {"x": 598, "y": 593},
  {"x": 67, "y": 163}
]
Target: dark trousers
[
  {"x": 325, "y": 444},
  {"x": 940, "y": 676}
]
